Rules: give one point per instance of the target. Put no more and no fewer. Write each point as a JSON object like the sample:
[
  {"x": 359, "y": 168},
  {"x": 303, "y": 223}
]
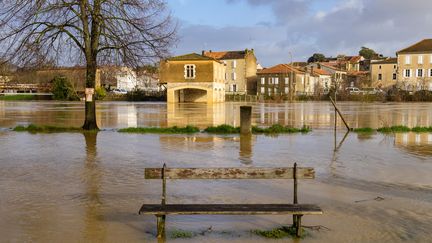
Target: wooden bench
[{"x": 163, "y": 209}]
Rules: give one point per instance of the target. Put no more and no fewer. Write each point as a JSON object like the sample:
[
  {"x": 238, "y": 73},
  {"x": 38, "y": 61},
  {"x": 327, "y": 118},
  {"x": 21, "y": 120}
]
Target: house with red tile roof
[{"x": 285, "y": 80}]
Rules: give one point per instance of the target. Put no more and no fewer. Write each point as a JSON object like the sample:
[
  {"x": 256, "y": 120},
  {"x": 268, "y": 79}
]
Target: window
[
  {"x": 394, "y": 76},
  {"x": 234, "y": 64},
  {"x": 379, "y": 66},
  {"x": 380, "y": 76},
  {"x": 407, "y": 73},
  {"x": 286, "y": 90},
  {"x": 276, "y": 80},
  {"x": 189, "y": 71},
  {"x": 226, "y": 76},
  {"x": 286, "y": 80},
  {"x": 262, "y": 90},
  {"x": 420, "y": 60},
  {"x": 419, "y": 72},
  {"x": 275, "y": 90},
  {"x": 269, "y": 91},
  {"x": 263, "y": 80},
  {"x": 394, "y": 66},
  {"x": 407, "y": 59},
  {"x": 234, "y": 88},
  {"x": 233, "y": 76},
  {"x": 430, "y": 72}
]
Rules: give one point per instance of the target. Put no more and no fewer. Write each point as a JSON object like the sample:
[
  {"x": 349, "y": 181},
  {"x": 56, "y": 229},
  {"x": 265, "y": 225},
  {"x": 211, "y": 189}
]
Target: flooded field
[{"x": 88, "y": 187}]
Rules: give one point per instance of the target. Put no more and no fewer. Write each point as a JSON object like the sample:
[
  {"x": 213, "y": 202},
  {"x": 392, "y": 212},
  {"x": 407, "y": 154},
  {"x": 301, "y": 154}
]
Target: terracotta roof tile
[
  {"x": 191, "y": 56},
  {"x": 280, "y": 68},
  {"x": 386, "y": 61},
  {"x": 421, "y": 46},
  {"x": 225, "y": 54}
]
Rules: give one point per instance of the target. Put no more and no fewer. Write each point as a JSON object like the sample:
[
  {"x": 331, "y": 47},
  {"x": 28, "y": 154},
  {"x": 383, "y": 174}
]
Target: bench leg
[
  {"x": 160, "y": 226},
  {"x": 298, "y": 225}
]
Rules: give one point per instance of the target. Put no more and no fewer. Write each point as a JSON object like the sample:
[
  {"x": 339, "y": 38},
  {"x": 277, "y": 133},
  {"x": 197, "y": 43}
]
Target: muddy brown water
[{"x": 72, "y": 187}]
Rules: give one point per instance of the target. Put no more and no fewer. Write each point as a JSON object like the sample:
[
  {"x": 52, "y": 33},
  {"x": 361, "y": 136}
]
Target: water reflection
[
  {"x": 94, "y": 227},
  {"x": 245, "y": 153},
  {"x": 201, "y": 115},
  {"x": 317, "y": 115},
  {"x": 415, "y": 143}
]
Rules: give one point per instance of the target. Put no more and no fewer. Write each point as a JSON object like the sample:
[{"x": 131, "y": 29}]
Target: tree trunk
[{"x": 90, "y": 105}]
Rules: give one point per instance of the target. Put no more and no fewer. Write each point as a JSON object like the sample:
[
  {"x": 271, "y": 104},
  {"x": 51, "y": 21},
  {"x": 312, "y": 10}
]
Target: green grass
[
  {"x": 164, "y": 130},
  {"x": 279, "y": 233},
  {"x": 394, "y": 129},
  {"x": 276, "y": 128},
  {"x": 32, "y": 128},
  {"x": 18, "y": 97},
  {"x": 181, "y": 234},
  {"x": 364, "y": 130},
  {"x": 421, "y": 129},
  {"x": 222, "y": 129}
]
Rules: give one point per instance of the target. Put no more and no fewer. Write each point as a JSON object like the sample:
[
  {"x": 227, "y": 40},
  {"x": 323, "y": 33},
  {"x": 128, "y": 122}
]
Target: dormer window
[{"x": 189, "y": 71}]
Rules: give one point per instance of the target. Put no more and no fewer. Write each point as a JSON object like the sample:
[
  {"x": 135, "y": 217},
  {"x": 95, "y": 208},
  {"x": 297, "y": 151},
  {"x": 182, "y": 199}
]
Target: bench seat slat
[
  {"x": 230, "y": 209},
  {"x": 230, "y": 173}
]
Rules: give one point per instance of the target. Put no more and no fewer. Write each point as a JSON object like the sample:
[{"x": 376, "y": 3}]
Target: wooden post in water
[
  {"x": 161, "y": 218},
  {"x": 245, "y": 119},
  {"x": 340, "y": 114},
  {"x": 296, "y": 218}
]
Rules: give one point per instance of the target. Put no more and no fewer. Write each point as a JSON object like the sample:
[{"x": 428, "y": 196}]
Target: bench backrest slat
[{"x": 230, "y": 173}]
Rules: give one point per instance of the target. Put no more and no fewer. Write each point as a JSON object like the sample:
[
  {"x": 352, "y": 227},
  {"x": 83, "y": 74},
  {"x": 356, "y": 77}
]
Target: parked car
[
  {"x": 372, "y": 91},
  {"x": 119, "y": 91},
  {"x": 353, "y": 90}
]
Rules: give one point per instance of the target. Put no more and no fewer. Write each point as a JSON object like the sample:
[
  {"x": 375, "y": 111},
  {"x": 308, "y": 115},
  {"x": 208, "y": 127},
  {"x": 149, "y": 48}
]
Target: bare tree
[{"x": 90, "y": 32}]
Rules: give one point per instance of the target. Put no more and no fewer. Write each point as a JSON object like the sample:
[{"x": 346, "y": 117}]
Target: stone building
[
  {"x": 383, "y": 73},
  {"x": 285, "y": 80},
  {"x": 193, "y": 78},
  {"x": 241, "y": 70},
  {"x": 415, "y": 66}
]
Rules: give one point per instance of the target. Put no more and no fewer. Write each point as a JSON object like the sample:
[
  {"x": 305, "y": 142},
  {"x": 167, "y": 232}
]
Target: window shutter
[
  {"x": 276, "y": 80},
  {"x": 234, "y": 64}
]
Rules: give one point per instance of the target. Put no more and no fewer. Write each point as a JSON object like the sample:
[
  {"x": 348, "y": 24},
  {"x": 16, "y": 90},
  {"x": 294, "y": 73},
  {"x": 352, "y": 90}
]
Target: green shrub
[
  {"x": 394, "y": 129},
  {"x": 100, "y": 93},
  {"x": 63, "y": 89}
]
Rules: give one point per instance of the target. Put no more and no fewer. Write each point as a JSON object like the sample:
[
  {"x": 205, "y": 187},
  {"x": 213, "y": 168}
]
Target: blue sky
[{"x": 275, "y": 28}]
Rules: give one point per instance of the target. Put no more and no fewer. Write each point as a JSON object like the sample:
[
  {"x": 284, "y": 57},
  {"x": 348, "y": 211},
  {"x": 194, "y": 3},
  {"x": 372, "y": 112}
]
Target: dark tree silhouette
[{"x": 90, "y": 32}]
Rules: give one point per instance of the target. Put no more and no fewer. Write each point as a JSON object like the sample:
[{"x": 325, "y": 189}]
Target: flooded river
[{"x": 73, "y": 187}]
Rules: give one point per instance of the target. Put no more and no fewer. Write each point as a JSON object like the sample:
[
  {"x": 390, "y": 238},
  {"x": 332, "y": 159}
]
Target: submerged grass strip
[
  {"x": 275, "y": 129},
  {"x": 279, "y": 233},
  {"x": 223, "y": 129},
  {"x": 17, "y": 97},
  {"x": 32, "y": 128},
  {"x": 393, "y": 129},
  {"x": 164, "y": 130},
  {"x": 181, "y": 234}
]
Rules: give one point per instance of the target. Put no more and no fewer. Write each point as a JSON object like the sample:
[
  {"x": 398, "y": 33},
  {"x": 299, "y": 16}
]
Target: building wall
[
  {"x": 386, "y": 71},
  {"x": 173, "y": 71},
  {"x": 412, "y": 63},
  {"x": 245, "y": 70},
  {"x": 208, "y": 85}
]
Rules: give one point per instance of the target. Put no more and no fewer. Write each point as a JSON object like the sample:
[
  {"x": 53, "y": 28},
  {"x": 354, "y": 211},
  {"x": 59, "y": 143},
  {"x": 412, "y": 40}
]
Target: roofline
[{"x": 409, "y": 52}]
